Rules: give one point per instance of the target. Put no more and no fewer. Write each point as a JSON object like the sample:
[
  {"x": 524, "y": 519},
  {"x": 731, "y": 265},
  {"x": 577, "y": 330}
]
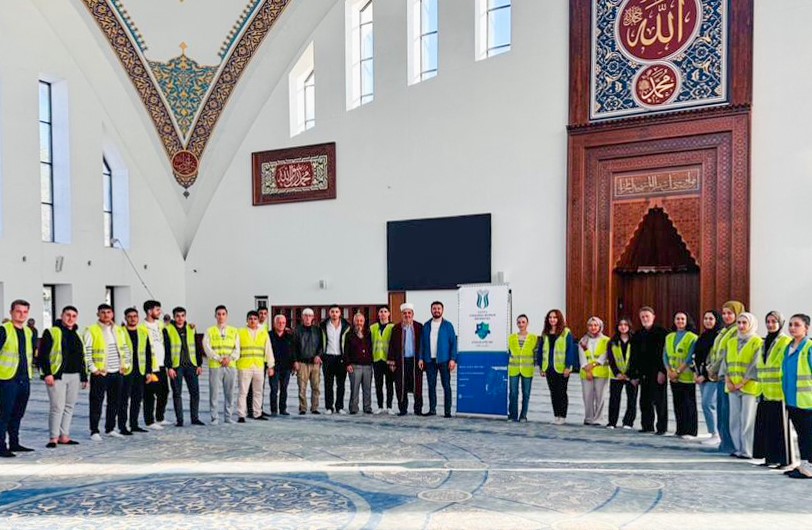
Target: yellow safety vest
[
  {"x": 738, "y": 361},
  {"x": 98, "y": 346},
  {"x": 621, "y": 361},
  {"x": 559, "y": 352},
  {"x": 222, "y": 346},
  {"x": 803, "y": 388},
  {"x": 380, "y": 342},
  {"x": 252, "y": 350},
  {"x": 55, "y": 356},
  {"x": 143, "y": 340},
  {"x": 599, "y": 371},
  {"x": 678, "y": 355},
  {"x": 719, "y": 348},
  {"x": 769, "y": 371},
  {"x": 175, "y": 345},
  {"x": 10, "y": 353},
  {"x": 522, "y": 358}
]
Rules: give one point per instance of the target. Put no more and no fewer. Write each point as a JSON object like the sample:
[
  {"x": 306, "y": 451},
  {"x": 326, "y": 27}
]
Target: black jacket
[
  {"x": 307, "y": 343},
  {"x": 73, "y": 354},
  {"x": 283, "y": 353},
  {"x": 646, "y": 358}
]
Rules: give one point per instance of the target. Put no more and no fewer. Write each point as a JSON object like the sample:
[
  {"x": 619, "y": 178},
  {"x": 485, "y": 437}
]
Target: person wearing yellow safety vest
[
  {"x": 264, "y": 323},
  {"x": 796, "y": 385},
  {"x": 381, "y": 333},
  {"x": 156, "y": 393},
  {"x": 711, "y": 326},
  {"x": 593, "y": 349},
  {"x": 620, "y": 351},
  {"x": 16, "y": 371},
  {"x": 773, "y": 437},
  {"x": 557, "y": 358},
  {"x": 62, "y": 363},
  {"x": 184, "y": 362},
  {"x": 522, "y": 347},
  {"x": 678, "y": 358},
  {"x": 222, "y": 346},
  {"x": 255, "y": 353},
  {"x": 730, "y": 312},
  {"x": 740, "y": 368},
  {"x": 107, "y": 358},
  {"x": 137, "y": 374}
]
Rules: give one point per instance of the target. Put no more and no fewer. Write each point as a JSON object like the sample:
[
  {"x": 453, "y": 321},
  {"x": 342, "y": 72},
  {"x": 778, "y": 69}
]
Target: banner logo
[
  {"x": 483, "y": 329},
  {"x": 482, "y": 299}
]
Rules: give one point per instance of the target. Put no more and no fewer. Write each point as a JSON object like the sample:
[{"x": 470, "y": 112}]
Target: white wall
[
  {"x": 26, "y": 263},
  {"x": 485, "y": 136}
]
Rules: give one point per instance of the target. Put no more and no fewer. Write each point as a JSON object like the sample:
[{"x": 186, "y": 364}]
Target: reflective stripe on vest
[
  {"x": 599, "y": 371},
  {"x": 252, "y": 350},
  {"x": 10, "y": 353},
  {"x": 175, "y": 345},
  {"x": 803, "y": 396},
  {"x": 769, "y": 371},
  {"x": 99, "y": 346},
  {"x": 380, "y": 341},
  {"x": 55, "y": 356},
  {"x": 719, "y": 348},
  {"x": 621, "y": 362},
  {"x": 222, "y": 346},
  {"x": 559, "y": 352},
  {"x": 678, "y": 355},
  {"x": 143, "y": 340},
  {"x": 522, "y": 358},
  {"x": 738, "y": 360}
]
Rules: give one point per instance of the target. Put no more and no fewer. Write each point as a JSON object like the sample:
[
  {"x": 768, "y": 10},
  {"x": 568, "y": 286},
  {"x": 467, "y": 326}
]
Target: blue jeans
[
  {"x": 445, "y": 379},
  {"x": 13, "y": 401},
  {"x": 527, "y": 383},
  {"x": 708, "y": 391},
  {"x": 723, "y": 418}
]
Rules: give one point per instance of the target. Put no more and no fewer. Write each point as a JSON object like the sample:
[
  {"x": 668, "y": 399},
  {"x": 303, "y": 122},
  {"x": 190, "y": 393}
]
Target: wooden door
[{"x": 666, "y": 292}]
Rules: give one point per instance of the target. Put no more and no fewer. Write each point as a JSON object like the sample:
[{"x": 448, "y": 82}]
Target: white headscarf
[
  {"x": 751, "y": 329},
  {"x": 586, "y": 338}
]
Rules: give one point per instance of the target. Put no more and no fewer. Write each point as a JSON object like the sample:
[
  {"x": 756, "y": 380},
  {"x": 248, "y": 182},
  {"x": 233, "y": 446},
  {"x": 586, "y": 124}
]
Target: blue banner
[{"x": 482, "y": 382}]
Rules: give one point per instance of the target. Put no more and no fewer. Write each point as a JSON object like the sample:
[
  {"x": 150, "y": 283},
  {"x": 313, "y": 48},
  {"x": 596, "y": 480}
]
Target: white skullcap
[
  {"x": 404, "y": 306},
  {"x": 307, "y": 311}
]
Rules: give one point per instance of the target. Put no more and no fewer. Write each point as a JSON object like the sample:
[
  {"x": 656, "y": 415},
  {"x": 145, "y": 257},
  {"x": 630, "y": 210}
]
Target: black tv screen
[{"x": 441, "y": 253}]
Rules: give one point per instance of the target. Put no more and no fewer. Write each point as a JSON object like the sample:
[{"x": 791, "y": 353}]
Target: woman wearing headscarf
[
  {"x": 772, "y": 439},
  {"x": 740, "y": 368},
  {"x": 593, "y": 350},
  {"x": 557, "y": 358},
  {"x": 730, "y": 312},
  {"x": 620, "y": 350},
  {"x": 796, "y": 384},
  {"x": 712, "y": 325},
  {"x": 678, "y": 355}
]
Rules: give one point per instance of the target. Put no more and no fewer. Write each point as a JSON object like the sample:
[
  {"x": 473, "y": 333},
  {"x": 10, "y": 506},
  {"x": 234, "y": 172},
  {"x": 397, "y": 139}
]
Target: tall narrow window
[
  {"x": 46, "y": 162},
  {"x": 107, "y": 189},
  {"x": 110, "y": 296},
  {"x": 498, "y": 21},
  {"x": 428, "y": 39},
  {"x": 309, "y": 100},
  {"x": 302, "y": 90},
  {"x": 48, "y": 306},
  {"x": 365, "y": 45}
]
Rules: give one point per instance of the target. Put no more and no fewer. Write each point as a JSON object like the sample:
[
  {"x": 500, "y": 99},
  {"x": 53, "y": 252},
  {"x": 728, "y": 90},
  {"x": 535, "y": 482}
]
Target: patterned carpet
[{"x": 388, "y": 472}]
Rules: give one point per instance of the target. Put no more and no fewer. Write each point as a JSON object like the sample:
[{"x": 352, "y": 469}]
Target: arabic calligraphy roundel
[
  {"x": 656, "y": 84},
  {"x": 654, "y": 30}
]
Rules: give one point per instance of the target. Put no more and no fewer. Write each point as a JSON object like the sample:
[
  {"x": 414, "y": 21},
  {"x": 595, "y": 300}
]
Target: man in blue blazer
[{"x": 438, "y": 352}]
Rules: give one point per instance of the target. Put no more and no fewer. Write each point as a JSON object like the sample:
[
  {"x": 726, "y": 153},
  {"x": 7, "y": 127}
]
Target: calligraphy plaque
[
  {"x": 296, "y": 174},
  {"x": 675, "y": 181},
  {"x": 657, "y": 55}
]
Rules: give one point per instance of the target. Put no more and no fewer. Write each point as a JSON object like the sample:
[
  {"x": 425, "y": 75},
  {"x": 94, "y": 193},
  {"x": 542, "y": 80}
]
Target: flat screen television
[{"x": 440, "y": 253}]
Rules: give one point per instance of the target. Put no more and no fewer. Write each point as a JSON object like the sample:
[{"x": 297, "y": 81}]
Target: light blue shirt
[
  {"x": 789, "y": 370},
  {"x": 408, "y": 342}
]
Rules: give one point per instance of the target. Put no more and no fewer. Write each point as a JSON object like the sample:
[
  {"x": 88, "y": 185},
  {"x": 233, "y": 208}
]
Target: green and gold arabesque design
[{"x": 185, "y": 99}]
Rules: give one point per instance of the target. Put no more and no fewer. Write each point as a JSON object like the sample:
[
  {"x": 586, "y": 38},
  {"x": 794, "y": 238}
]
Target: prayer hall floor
[{"x": 388, "y": 472}]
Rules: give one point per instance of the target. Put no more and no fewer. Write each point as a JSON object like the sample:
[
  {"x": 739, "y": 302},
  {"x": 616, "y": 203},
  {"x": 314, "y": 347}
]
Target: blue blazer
[{"x": 446, "y": 342}]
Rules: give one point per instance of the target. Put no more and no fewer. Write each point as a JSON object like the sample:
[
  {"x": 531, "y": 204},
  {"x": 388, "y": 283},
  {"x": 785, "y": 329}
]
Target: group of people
[
  {"x": 139, "y": 361},
  {"x": 753, "y": 389}
]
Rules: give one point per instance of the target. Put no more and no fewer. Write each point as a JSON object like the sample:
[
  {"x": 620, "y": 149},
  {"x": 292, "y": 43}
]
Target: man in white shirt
[
  {"x": 222, "y": 346},
  {"x": 439, "y": 354},
  {"x": 335, "y": 373},
  {"x": 154, "y": 413}
]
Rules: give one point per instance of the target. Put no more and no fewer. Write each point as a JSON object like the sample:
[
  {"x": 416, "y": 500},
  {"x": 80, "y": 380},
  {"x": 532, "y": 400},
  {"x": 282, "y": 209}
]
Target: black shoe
[
  {"x": 51, "y": 445},
  {"x": 274, "y": 414},
  {"x": 790, "y": 471},
  {"x": 241, "y": 420},
  {"x": 69, "y": 442},
  {"x": 125, "y": 432},
  {"x": 315, "y": 412},
  {"x": 447, "y": 415},
  {"x": 138, "y": 429},
  {"x": 302, "y": 413},
  {"x": 179, "y": 424},
  {"x": 660, "y": 433},
  {"x": 353, "y": 413},
  {"x": 284, "y": 413},
  {"x": 20, "y": 449},
  {"x": 261, "y": 418},
  {"x": 402, "y": 413},
  {"x": 797, "y": 474},
  {"x": 646, "y": 430},
  {"x": 5, "y": 453},
  {"x": 266, "y": 415},
  {"x": 197, "y": 422},
  {"x": 430, "y": 414},
  {"x": 367, "y": 412}
]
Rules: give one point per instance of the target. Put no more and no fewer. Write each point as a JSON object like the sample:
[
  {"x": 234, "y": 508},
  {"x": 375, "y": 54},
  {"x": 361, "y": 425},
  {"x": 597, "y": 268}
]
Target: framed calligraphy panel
[
  {"x": 674, "y": 181},
  {"x": 295, "y": 174},
  {"x": 657, "y": 55}
]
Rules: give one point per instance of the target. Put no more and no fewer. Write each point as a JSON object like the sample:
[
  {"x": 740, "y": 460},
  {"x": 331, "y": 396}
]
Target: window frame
[
  {"x": 49, "y": 163},
  {"x": 50, "y": 306},
  {"x": 491, "y": 51},
  {"x": 363, "y": 96},
  {"x": 308, "y": 89},
  {"x": 109, "y": 222},
  {"x": 423, "y": 73}
]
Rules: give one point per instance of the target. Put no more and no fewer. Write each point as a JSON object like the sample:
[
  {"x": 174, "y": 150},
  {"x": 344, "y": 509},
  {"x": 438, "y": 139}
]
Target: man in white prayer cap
[{"x": 404, "y": 354}]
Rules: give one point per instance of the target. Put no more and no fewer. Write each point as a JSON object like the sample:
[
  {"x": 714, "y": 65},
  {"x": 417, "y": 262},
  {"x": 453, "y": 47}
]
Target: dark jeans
[
  {"x": 432, "y": 367},
  {"x": 383, "y": 375},
  {"x": 684, "y": 397},
  {"x": 158, "y": 390},
  {"x": 558, "y": 392},
  {"x": 802, "y": 421},
  {"x": 279, "y": 386},
  {"x": 13, "y": 401},
  {"x": 129, "y": 404},
  {"x": 190, "y": 375},
  {"x": 409, "y": 378},
  {"x": 334, "y": 373},
  {"x": 653, "y": 398},
  {"x": 615, "y": 395},
  {"x": 513, "y": 399},
  {"x": 100, "y": 386}
]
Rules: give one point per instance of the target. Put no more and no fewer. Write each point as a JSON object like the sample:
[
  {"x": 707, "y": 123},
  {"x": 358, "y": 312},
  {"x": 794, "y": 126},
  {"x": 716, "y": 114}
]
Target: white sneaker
[
  {"x": 380, "y": 411},
  {"x": 166, "y": 422},
  {"x": 610, "y": 427},
  {"x": 688, "y": 437},
  {"x": 342, "y": 412},
  {"x": 560, "y": 421},
  {"x": 391, "y": 412},
  {"x": 96, "y": 437},
  {"x": 155, "y": 427},
  {"x": 713, "y": 440},
  {"x": 114, "y": 434},
  {"x": 329, "y": 412},
  {"x": 628, "y": 427}
]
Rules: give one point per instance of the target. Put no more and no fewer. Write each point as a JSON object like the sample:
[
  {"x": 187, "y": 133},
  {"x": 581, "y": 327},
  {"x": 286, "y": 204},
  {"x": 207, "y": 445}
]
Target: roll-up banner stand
[{"x": 482, "y": 348}]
